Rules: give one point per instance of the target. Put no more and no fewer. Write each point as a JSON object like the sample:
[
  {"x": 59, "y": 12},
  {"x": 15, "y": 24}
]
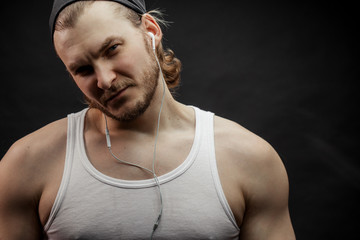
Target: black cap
[{"x": 58, "y": 5}]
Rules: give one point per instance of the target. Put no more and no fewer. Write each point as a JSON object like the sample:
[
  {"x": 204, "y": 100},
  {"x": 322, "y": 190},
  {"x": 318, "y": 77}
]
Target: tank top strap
[
  {"x": 74, "y": 120},
  {"x": 207, "y": 119}
]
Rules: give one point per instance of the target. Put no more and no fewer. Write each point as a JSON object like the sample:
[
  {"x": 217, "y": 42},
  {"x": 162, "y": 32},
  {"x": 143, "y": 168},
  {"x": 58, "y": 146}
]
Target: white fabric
[{"x": 91, "y": 205}]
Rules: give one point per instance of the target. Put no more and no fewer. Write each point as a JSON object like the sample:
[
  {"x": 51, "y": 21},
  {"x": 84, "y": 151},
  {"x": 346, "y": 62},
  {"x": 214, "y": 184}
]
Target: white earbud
[{"x": 152, "y": 39}]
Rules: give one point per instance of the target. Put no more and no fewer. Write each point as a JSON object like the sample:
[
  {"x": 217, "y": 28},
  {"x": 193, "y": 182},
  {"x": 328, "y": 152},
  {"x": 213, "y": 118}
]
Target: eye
[
  {"x": 84, "y": 70},
  {"x": 112, "y": 49}
]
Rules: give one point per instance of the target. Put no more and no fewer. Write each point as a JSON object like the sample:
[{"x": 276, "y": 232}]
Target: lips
[{"x": 113, "y": 96}]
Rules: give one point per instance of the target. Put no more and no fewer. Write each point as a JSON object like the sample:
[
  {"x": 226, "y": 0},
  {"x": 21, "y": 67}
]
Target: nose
[{"x": 105, "y": 76}]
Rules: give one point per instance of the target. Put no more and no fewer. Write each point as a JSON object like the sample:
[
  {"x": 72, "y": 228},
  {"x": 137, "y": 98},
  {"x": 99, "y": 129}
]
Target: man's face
[{"x": 110, "y": 61}]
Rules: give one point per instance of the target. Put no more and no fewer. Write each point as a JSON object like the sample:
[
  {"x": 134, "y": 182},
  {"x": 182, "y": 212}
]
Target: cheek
[
  {"x": 88, "y": 87},
  {"x": 82, "y": 85},
  {"x": 127, "y": 63},
  {"x": 133, "y": 60}
]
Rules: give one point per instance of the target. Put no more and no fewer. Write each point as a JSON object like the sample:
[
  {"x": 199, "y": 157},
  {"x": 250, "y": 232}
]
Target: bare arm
[
  {"x": 30, "y": 175},
  {"x": 19, "y": 196},
  {"x": 267, "y": 215},
  {"x": 254, "y": 181}
]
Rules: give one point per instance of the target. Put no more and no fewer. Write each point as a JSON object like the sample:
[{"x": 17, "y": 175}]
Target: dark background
[{"x": 285, "y": 71}]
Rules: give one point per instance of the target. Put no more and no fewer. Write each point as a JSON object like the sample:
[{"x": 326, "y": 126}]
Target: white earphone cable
[{"x": 108, "y": 142}]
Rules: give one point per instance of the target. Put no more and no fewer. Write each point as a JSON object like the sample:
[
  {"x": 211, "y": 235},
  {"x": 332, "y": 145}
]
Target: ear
[{"x": 149, "y": 24}]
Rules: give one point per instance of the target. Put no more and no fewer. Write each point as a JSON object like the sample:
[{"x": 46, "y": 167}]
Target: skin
[{"x": 251, "y": 173}]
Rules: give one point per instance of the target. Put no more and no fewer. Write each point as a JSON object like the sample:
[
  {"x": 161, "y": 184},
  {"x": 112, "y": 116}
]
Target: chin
[{"x": 123, "y": 114}]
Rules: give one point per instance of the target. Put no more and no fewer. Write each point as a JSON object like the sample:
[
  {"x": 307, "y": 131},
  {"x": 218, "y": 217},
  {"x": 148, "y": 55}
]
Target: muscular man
[{"x": 136, "y": 164}]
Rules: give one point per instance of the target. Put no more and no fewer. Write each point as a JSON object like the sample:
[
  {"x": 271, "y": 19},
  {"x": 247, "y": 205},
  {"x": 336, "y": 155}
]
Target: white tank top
[{"x": 91, "y": 205}]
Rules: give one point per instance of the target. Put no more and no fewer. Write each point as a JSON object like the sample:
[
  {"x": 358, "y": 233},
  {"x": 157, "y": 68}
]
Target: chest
[
  {"x": 97, "y": 207},
  {"x": 118, "y": 162},
  {"x": 88, "y": 209}
]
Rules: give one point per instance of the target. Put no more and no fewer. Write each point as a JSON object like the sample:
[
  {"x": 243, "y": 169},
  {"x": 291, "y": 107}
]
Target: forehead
[{"x": 98, "y": 22}]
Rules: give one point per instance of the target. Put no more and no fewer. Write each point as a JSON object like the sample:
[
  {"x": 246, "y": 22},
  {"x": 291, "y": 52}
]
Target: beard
[{"x": 149, "y": 78}]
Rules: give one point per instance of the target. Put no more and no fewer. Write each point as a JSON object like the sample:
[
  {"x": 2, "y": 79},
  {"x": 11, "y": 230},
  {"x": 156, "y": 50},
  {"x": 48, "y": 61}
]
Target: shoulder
[
  {"x": 36, "y": 144},
  {"x": 31, "y": 157},
  {"x": 233, "y": 139},
  {"x": 249, "y": 157}
]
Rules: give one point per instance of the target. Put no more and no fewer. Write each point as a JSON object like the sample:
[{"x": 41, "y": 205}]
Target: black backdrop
[{"x": 285, "y": 71}]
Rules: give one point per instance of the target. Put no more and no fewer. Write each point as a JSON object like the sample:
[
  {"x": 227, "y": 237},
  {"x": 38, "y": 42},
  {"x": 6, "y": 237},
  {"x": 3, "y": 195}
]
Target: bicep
[
  {"x": 17, "y": 222},
  {"x": 18, "y": 209},
  {"x": 267, "y": 214},
  {"x": 269, "y": 225}
]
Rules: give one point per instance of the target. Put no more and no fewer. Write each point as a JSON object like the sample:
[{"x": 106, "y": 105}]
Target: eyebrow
[{"x": 105, "y": 44}]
